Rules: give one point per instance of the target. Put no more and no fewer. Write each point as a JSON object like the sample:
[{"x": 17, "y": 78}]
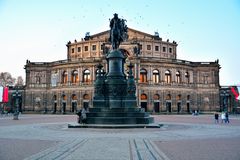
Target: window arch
[
  {"x": 64, "y": 77},
  {"x": 156, "y": 76},
  {"x": 168, "y": 76},
  {"x": 143, "y": 76},
  {"x": 187, "y": 77},
  {"x": 178, "y": 77},
  {"x": 55, "y": 98},
  {"x": 143, "y": 96},
  {"x": 74, "y": 76},
  {"x": 74, "y": 97},
  {"x": 168, "y": 97},
  {"x": 156, "y": 97},
  {"x": 86, "y": 76},
  {"x": 38, "y": 78},
  {"x": 64, "y": 98},
  {"x": 179, "y": 97}
]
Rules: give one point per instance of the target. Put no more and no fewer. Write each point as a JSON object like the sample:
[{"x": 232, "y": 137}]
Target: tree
[
  {"x": 6, "y": 79},
  {"x": 19, "y": 81}
]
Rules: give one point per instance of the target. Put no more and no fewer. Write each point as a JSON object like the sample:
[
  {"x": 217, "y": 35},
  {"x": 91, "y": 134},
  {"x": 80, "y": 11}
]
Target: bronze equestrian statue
[{"x": 118, "y": 31}]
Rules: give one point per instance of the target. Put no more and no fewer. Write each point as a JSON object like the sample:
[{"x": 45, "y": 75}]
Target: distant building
[
  {"x": 165, "y": 84},
  {"x": 228, "y": 101}
]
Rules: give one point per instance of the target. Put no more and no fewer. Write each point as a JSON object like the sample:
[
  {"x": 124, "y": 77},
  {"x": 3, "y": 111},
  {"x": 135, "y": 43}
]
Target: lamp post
[
  {"x": 225, "y": 95},
  {"x": 16, "y": 96},
  {"x": 225, "y": 101},
  {"x": 137, "y": 52}
]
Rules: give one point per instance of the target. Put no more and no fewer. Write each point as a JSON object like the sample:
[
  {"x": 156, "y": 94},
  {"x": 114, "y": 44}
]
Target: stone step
[
  {"x": 119, "y": 120},
  {"x": 117, "y": 114},
  {"x": 130, "y": 109}
]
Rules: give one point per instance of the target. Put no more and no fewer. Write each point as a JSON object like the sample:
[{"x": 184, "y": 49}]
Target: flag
[
  {"x": 235, "y": 92},
  {"x": 5, "y": 95},
  {"x": 1, "y": 93}
]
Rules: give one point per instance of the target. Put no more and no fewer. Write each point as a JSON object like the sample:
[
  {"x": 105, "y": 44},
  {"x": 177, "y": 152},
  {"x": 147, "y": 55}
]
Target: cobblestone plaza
[{"x": 182, "y": 137}]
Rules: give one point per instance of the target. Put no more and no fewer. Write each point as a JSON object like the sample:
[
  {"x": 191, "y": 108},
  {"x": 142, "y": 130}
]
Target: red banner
[
  {"x": 235, "y": 93},
  {"x": 1, "y": 93},
  {"x": 5, "y": 95}
]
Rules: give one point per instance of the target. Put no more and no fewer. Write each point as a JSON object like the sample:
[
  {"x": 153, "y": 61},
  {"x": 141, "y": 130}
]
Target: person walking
[
  {"x": 79, "y": 113},
  {"x": 84, "y": 115},
  {"x": 216, "y": 115},
  {"x": 226, "y": 118},
  {"x": 223, "y": 116}
]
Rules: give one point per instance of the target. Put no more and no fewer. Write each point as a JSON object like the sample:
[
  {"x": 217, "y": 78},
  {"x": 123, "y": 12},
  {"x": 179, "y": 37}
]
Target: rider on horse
[{"x": 118, "y": 31}]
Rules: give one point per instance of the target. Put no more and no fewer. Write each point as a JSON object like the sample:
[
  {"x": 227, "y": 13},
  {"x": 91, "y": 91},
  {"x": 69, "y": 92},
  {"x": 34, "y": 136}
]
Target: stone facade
[{"x": 164, "y": 83}]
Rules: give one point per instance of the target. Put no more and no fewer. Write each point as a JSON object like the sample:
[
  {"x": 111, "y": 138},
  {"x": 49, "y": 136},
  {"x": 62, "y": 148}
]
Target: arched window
[
  {"x": 168, "y": 97},
  {"x": 143, "y": 76},
  {"x": 74, "y": 76},
  {"x": 143, "y": 96},
  {"x": 156, "y": 76},
  {"x": 168, "y": 76},
  {"x": 64, "y": 77},
  {"x": 86, "y": 76},
  {"x": 38, "y": 78},
  {"x": 187, "y": 77},
  {"x": 156, "y": 97},
  {"x": 86, "y": 97},
  {"x": 188, "y": 97},
  {"x": 178, "y": 79},
  {"x": 64, "y": 97},
  {"x": 179, "y": 97},
  {"x": 55, "y": 97},
  {"x": 74, "y": 97}
]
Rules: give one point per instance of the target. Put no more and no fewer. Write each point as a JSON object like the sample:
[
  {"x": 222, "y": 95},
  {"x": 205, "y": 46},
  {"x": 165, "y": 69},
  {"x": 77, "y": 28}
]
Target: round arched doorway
[
  {"x": 168, "y": 103},
  {"x": 156, "y": 103},
  {"x": 74, "y": 103},
  {"x": 144, "y": 101},
  {"x": 188, "y": 104},
  {"x": 64, "y": 103},
  {"x": 54, "y": 110},
  {"x": 179, "y": 103},
  {"x": 86, "y": 99}
]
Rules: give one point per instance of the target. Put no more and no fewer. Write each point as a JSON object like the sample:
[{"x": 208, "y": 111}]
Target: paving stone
[{"x": 181, "y": 137}]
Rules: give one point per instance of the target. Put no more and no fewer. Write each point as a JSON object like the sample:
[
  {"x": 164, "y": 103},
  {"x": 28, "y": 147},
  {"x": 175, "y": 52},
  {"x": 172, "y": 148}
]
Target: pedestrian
[
  {"x": 226, "y": 118},
  {"x": 79, "y": 113},
  {"x": 223, "y": 116},
  {"x": 216, "y": 115},
  {"x": 84, "y": 114}
]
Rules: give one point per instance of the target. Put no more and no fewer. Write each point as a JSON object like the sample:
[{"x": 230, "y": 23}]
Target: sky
[{"x": 38, "y": 30}]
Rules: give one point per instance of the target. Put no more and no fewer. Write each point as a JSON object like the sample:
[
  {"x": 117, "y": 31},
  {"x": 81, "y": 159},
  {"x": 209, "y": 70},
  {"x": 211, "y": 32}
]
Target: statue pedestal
[
  {"x": 118, "y": 115},
  {"x": 114, "y": 100}
]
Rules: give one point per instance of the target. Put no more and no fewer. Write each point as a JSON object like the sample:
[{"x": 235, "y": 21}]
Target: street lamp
[
  {"x": 224, "y": 94},
  {"x": 225, "y": 101},
  {"x": 16, "y": 97},
  {"x": 137, "y": 52}
]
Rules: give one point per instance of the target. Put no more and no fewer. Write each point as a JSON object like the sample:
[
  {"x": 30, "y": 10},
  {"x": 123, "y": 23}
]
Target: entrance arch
[
  {"x": 54, "y": 104},
  {"x": 156, "y": 103},
  {"x": 169, "y": 103},
  {"x": 179, "y": 103},
  {"x": 74, "y": 103},
  {"x": 86, "y": 99},
  {"x": 64, "y": 103},
  {"x": 188, "y": 104},
  {"x": 144, "y": 101}
]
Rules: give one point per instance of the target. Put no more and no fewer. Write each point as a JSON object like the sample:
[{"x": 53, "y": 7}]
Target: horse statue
[{"x": 118, "y": 31}]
